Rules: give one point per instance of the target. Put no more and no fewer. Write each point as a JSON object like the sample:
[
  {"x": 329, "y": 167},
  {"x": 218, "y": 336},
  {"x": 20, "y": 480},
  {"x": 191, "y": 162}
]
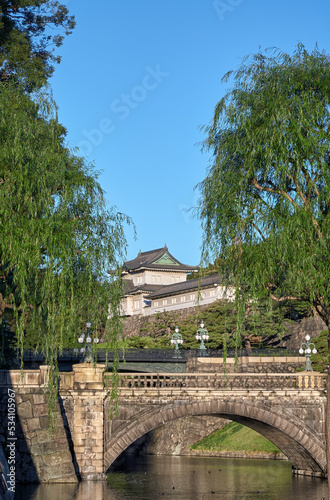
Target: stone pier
[{"x": 87, "y": 419}]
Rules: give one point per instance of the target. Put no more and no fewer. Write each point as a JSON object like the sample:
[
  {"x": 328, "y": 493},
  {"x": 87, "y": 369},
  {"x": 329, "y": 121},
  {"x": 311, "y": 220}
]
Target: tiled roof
[
  {"x": 148, "y": 260},
  {"x": 185, "y": 286},
  {"x": 131, "y": 289},
  {"x": 128, "y": 286}
]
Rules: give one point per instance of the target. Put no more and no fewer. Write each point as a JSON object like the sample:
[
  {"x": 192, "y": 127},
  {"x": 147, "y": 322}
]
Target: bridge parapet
[
  {"x": 88, "y": 377},
  {"x": 25, "y": 378},
  {"x": 262, "y": 381}
]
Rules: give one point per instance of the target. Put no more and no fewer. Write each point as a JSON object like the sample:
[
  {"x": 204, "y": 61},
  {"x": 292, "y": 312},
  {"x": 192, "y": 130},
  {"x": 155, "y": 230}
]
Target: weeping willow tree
[
  {"x": 265, "y": 200},
  {"x": 58, "y": 237}
]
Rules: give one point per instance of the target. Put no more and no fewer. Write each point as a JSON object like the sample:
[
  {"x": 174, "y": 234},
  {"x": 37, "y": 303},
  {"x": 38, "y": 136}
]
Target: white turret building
[{"x": 156, "y": 281}]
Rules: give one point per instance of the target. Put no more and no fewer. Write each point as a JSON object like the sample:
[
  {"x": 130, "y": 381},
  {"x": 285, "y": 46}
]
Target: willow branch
[
  {"x": 282, "y": 299},
  {"x": 254, "y": 182},
  {"x": 310, "y": 181},
  {"x": 291, "y": 200},
  {"x": 258, "y": 230}
]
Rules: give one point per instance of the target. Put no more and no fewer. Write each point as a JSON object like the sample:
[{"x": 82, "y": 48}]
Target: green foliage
[
  {"x": 7, "y": 345},
  {"x": 30, "y": 30},
  {"x": 220, "y": 319},
  {"x": 235, "y": 437},
  {"x": 320, "y": 360},
  {"x": 210, "y": 270},
  {"x": 296, "y": 310},
  {"x": 139, "y": 343},
  {"x": 58, "y": 236},
  {"x": 265, "y": 202},
  {"x": 160, "y": 328}
]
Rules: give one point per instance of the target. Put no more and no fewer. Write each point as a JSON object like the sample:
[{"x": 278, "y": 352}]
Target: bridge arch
[{"x": 288, "y": 432}]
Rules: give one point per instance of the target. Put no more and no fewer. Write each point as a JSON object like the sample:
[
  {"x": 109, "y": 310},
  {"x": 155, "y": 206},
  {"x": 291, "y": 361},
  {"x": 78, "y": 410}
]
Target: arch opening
[{"x": 302, "y": 449}]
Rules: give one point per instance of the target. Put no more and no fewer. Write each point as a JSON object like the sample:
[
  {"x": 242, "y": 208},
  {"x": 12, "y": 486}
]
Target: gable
[{"x": 166, "y": 260}]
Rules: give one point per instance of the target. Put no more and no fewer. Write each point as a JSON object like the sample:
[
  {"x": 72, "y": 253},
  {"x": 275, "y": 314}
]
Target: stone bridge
[{"x": 288, "y": 409}]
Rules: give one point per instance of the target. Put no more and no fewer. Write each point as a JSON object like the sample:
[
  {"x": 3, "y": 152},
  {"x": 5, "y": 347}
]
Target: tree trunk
[{"x": 247, "y": 346}]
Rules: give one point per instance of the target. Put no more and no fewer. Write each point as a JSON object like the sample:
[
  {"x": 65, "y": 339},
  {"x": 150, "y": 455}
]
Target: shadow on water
[
  {"x": 87, "y": 490},
  {"x": 49, "y": 491},
  {"x": 203, "y": 478},
  {"x": 188, "y": 478}
]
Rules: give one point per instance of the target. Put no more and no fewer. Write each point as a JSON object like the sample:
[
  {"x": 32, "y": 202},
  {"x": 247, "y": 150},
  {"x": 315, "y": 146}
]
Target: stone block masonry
[
  {"x": 75, "y": 449},
  {"x": 288, "y": 409},
  {"x": 176, "y": 437},
  {"x": 246, "y": 364},
  {"x": 139, "y": 325},
  {"x": 84, "y": 411},
  {"x": 39, "y": 456}
]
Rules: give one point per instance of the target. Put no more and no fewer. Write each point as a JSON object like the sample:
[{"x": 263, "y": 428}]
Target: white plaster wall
[
  {"x": 138, "y": 279},
  {"x": 207, "y": 296},
  {"x": 134, "y": 305},
  {"x": 127, "y": 306},
  {"x": 164, "y": 278}
]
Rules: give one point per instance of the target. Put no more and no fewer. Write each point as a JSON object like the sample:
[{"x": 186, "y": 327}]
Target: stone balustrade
[
  {"x": 87, "y": 377},
  {"x": 269, "y": 381}
]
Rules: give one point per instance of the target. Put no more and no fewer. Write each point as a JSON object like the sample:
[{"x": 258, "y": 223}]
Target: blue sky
[{"x": 138, "y": 79}]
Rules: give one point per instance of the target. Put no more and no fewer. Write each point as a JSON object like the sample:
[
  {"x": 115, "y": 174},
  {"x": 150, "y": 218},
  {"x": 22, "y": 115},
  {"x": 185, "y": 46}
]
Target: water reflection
[{"x": 189, "y": 478}]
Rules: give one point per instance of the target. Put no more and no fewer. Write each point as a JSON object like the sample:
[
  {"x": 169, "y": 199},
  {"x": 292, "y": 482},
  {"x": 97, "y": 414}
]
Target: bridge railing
[
  {"x": 156, "y": 355},
  {"x": 253, "y": 381}
]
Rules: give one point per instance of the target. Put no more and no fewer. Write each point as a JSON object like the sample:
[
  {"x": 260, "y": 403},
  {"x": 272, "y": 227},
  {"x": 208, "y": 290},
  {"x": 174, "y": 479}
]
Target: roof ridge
[
  {"x": 150, "y": 251},
  {"x": 150, "y": 258}
]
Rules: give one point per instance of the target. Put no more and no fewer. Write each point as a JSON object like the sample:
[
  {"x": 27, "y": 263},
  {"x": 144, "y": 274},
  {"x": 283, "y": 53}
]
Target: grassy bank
[{"x": 236, "y": 438}]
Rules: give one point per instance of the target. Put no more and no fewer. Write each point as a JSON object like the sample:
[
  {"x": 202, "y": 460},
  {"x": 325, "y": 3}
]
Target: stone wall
[
  {"x": 42, "y": 456},
  {"x": 82, "y": 393},
  {"x": 176, "y": 437},
  {"x": 313, "y": 326},
  {"x": 7, "y": 489},
  {"x": 139, "y": 325},
  {"x": 38, "y": 455},
  {"x": 245, "y": 364}
]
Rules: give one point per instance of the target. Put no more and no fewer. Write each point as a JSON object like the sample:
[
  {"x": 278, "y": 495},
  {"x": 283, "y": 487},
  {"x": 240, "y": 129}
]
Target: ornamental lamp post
[
  {"x": 305, "y": 348},
  {"x": 202, "y": 334},
  {"x": 87, "y": 341},
  {"x": 176, "y": 340}
]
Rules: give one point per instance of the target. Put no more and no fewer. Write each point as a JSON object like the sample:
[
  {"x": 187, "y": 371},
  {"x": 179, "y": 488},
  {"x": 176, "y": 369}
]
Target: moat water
[{"x": 188, "y": 478}]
